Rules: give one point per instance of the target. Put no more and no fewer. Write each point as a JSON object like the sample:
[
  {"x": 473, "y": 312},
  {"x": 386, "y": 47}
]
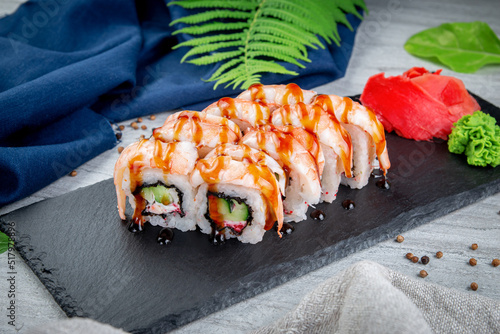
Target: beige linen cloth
[{"x": 365, "y": 298}]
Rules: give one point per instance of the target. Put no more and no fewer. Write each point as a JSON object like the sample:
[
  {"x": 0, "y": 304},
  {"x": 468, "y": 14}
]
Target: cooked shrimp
[
  {"x": 309, "y": 141},
  {"x": 224, "y": 169},
  {"x": 204, "y": 130},
  {"x": 316, "y": 120},
  {"x": 242, "y": 112},
  {"x": 304, "y": 188},
  {"x": 147, "y": 162},
  {"x": 276, "y": 96},
  {"x": 351, "y": 112},
  {"x": 242, "y": 152}
]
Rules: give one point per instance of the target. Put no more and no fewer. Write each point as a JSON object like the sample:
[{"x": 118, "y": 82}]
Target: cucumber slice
[
  {"x": 227, "y": 209},
  {"x": 159, "y": 193},
  {"x": 239, "y": 211}
]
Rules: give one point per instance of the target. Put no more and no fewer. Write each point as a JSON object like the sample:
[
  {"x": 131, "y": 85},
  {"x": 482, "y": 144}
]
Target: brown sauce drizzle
[
  {"x": 217, "y": 238},
  {"x": 165, "y": 236},
  {"x": 190, "y": 125},
  {"x": 259, "y": 114},
  {"x": 135, "y": 227},
  {"x": 310, "y": 117},
  {"x": 383, "y": 184},
  {"x": 348, "y": 204},
  {"x": 224, "y": 131},
  {"x": 295, "y": 92},
  {"x": 227, "y": 107},
  {"x": 186, "y": 120},
  {"x": 210, "y": 172},
  {"x": 347, "y": 109},
  {"x": 379, "y": 142},
  {"x": 257, "y": 93},
  {"x": 287, "y": 228},
  {"x": 325, "y": 102},
  {"x": 308, "y": 140},
  {"x": 318, "y": 215}
]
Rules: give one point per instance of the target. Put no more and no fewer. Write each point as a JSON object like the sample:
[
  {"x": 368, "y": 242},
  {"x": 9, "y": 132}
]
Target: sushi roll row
[{"x": 243, "y": 165}]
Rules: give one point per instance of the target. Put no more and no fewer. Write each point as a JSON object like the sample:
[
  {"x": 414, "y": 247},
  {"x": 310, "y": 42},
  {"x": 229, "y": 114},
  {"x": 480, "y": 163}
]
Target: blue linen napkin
[{"x": 70, "y": 68}]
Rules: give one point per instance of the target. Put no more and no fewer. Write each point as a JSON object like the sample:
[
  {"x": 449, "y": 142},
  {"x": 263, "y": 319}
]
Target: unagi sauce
[
  {"x": 286, "y": 229},
  {"x": 318, "y": 215},
  {"x": 383, "y": 183},
  {"x": 165, "y": 236}
]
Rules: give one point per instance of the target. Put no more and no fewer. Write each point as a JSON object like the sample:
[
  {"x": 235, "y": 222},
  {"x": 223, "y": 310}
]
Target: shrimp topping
[
  {"x": 276, "y": 96},
  {"x": 204, "y": 130},
  {"x": 294, "y": 158},
  {"x": 244, "y": 113},
  {"x": 315, "y": 120},
  {"x": 351, "y": 112}
]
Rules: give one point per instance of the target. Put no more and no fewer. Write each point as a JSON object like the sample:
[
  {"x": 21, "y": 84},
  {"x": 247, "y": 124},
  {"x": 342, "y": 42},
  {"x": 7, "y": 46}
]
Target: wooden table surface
[{"x": 378, "y": 48}]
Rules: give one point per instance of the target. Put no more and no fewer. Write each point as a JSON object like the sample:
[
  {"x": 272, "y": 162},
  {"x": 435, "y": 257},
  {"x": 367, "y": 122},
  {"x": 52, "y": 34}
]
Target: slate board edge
[
  {"x": 404, "y": 222},
  {"x": 47, "y": 277}
]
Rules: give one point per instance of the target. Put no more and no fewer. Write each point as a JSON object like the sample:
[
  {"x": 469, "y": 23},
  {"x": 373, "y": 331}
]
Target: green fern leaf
[
  {"x": 206, "y": 48},
  {"x": 299, "y": 21},
  {"x": 211, "y": 27},
  {"x": 215, "y": 58},
  {"x": 223, "y": 68},
  {"x": 281, "y": 31},
  {"x": 281, "y": 41},
  {"x": 271, "y": 67},
  {"x": 278, "y": 56},
  {"x": 232, "y": 4},
  {"x": 348, "y": 6},
  {"x": 248, "y": 37},
  {"x": 278, "y": 49},
  {"x": 210, "y": 15},
  {"x": 361, "y": 3},
  {"x": 211, "y": 39},
  {"x": 298, "y": 33},
  {"x": 229, "y": 75},
  {"x": 315, "y": 13}
]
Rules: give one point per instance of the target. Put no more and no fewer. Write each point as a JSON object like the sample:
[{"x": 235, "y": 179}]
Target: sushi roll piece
[
  {"x": 155, "y": 178},
  {"x": 238, "y": 195},
  {"x": 334, "y": 140},
  {"x": 348, "y": 111},
  {"x": 242, "y": 112},
  {"x": 275, "y": 96},
  {"x": 303, "y": 186},
  {"x": 204, "y": 130}
]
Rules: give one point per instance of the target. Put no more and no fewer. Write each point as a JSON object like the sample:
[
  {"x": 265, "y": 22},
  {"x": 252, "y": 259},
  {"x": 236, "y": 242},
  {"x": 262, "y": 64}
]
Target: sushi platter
[{"x": 93, "y": 266}]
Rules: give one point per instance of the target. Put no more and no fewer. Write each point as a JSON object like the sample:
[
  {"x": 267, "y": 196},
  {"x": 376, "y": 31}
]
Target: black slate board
[{"x": 82, "y": 252}]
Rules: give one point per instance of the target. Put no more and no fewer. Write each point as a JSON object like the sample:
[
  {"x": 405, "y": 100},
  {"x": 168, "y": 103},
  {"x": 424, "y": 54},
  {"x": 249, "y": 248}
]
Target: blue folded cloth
[{"x": 70, "y": 68}]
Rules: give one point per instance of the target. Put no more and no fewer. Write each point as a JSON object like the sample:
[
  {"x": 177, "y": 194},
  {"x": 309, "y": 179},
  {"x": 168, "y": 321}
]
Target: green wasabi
[{"x": 478, "y": 136}]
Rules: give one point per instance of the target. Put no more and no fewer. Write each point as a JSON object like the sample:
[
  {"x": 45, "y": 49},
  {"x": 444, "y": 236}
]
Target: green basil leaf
[
  {"x": 4, "y": 242},
  {"x": 463, "y": 46}
]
